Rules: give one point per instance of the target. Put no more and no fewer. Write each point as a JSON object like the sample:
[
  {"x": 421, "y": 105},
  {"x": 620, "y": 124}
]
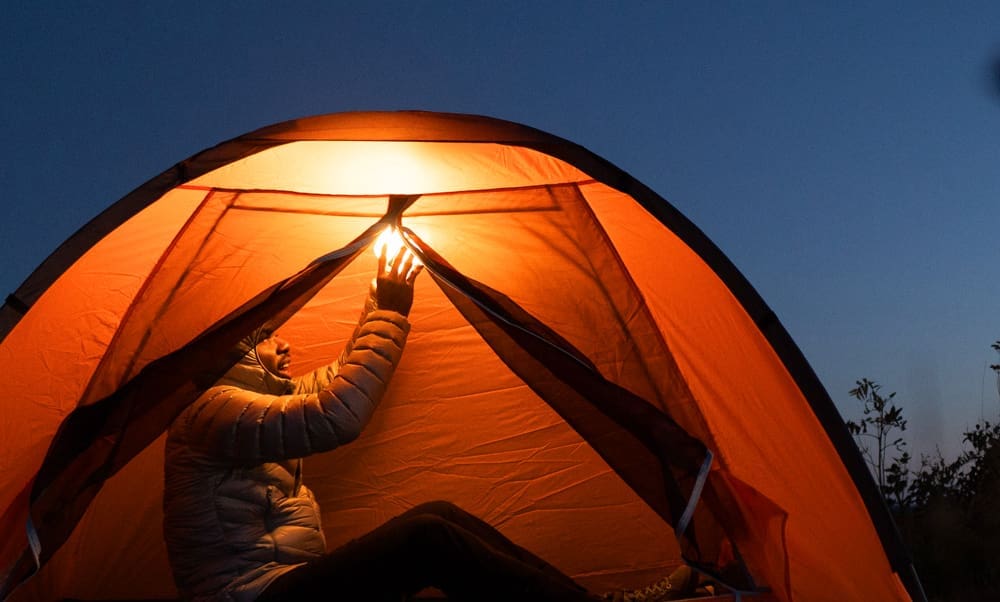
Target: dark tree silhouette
[
  {"x": 946, "y": 509},
  {"x": 876, "y": 439}
]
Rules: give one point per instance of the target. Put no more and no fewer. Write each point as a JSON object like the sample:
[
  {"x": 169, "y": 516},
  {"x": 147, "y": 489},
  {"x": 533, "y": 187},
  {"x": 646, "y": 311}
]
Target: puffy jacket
[{"x": 236, "y": 514}]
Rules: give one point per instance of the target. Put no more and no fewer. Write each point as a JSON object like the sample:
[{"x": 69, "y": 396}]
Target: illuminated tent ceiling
[{"x": 586, "y": 370}]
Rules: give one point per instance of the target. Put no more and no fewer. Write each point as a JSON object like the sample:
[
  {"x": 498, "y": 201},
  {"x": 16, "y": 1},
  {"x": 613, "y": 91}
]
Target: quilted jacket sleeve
[
  {"x": 320, "y": 379},
  {"x": 245, "y": 426}
]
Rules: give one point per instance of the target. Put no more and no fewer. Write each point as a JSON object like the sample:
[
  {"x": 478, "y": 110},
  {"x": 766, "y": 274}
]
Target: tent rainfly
[{"x": 586, "y": 370}]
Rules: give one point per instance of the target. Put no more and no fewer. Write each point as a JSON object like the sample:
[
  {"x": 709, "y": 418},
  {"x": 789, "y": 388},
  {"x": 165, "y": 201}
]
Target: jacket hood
[{"x": 248, "y": 373}]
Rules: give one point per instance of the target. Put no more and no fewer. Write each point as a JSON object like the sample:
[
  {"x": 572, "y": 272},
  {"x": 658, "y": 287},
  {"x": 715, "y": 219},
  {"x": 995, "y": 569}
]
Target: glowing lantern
[{"x": 390, "y": 242}]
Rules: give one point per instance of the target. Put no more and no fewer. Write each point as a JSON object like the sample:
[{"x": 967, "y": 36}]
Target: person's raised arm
[
  {"x": 391, "y": 290},
  {"x": 243, "y": 425}
]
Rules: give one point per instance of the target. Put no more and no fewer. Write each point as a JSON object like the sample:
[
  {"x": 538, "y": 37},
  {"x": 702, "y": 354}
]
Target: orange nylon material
[
  {"x": 756, "y": 414},
  {"x": 580, "y": 256},
  {"x": 58, "y": 344}
]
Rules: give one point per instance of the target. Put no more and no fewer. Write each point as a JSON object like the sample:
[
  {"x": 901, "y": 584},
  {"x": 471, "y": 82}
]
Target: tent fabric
[{"x": 577, "y": 350}]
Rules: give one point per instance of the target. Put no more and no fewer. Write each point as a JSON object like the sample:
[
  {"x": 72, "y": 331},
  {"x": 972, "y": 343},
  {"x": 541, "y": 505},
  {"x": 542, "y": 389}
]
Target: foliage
[
  {"x": 874, "y": 433},
  {"x": 950, "y": 524},
  {"x": 946, "y": 508},
  {"x": 959, "y": 479}
]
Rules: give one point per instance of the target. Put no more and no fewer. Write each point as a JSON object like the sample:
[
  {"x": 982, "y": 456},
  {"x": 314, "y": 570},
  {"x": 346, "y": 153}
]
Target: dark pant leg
[
  {"x": 491, "y": 536},
  {"x": 431, "y": 545}
]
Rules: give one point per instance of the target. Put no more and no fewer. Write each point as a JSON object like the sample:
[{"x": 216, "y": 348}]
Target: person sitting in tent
[{"x": 240, "y": 524}]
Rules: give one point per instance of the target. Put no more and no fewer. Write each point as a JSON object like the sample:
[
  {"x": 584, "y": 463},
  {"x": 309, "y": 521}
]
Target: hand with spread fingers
[{"x": 394, "y": 283}]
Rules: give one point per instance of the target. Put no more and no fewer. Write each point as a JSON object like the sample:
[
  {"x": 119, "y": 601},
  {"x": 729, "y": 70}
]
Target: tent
[{"x": 586, "y": 370}]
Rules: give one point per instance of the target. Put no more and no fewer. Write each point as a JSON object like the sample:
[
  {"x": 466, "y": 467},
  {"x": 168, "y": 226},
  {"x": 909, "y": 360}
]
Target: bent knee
[
  {"x": 437, "y": 508},
  {"x": 428, "y": 532}
]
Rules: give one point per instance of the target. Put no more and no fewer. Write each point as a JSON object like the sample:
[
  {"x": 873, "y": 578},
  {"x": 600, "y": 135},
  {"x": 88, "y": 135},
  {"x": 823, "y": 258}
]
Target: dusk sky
[{"x": 844, "y": 155}]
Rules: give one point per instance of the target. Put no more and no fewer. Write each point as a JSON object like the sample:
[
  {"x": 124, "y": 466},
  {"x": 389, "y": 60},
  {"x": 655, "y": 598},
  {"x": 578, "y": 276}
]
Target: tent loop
[
  {"x": 699, "y": 484},
  {"x": 398, "y": 203},
  {"x": 34, "y": 542}
]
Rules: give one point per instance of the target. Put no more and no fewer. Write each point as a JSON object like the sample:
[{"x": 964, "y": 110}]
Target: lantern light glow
[{"x": 390, "y": 242}]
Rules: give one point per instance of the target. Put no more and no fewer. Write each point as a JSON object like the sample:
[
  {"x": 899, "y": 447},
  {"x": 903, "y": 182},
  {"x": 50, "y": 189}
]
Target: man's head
[
  {"x": 274, "y": 354},
  {"x": 262, "y": 361}
]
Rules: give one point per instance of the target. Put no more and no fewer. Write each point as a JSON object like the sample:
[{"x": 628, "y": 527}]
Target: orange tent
[{"x": 586, "y": 370}]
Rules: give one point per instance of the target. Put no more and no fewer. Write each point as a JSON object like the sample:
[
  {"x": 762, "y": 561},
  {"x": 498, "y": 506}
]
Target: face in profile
[{"x": 275, "y": 355}]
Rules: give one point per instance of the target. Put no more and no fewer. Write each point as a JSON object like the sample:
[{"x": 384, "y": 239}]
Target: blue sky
[{"x": 844, "y": 155}]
